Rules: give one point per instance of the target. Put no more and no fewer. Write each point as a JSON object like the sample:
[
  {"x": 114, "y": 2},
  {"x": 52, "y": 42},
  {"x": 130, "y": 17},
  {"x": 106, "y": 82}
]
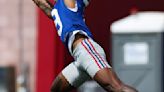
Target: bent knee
[
  {"x": 53, "y": 89},
  {"x": 60, "y": 84},
  {"x": 57, "y": 84}
]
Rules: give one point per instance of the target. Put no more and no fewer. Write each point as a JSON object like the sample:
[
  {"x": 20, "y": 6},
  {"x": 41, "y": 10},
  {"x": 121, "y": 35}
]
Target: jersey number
[{"x": 57, "y": 21}]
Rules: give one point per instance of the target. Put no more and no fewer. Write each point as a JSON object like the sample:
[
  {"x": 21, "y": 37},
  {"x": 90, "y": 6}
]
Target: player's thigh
[
  {"x": 93, "y": 60},
  {"x": 91, "y": 57}
]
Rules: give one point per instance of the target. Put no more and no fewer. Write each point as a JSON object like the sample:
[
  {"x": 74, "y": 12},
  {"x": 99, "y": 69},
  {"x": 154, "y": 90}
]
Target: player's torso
[{"x": 68, "y": 20}]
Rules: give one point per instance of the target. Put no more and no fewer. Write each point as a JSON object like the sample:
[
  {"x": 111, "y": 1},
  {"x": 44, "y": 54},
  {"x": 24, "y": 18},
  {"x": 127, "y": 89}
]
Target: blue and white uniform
[
  {"x": 89, "y": 56},
  {"x": 69, "y": 21}
]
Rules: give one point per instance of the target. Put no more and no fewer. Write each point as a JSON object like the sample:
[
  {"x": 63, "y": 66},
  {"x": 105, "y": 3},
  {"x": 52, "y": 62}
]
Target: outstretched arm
[{"x": 45, "y": 6}]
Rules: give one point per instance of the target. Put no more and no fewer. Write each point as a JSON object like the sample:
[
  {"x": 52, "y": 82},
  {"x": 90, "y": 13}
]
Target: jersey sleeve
[{"x": 86, "y": 2}]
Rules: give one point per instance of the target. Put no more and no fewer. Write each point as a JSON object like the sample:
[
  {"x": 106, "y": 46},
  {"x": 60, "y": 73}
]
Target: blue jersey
[{"x": 67, "y": 20}]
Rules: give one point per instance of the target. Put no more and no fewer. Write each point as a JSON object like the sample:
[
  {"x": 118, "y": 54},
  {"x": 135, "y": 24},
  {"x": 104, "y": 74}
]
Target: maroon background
[{"x": 52, "y": 55}]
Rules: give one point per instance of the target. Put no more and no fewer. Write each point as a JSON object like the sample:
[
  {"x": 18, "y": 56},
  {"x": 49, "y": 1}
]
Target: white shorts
[{"x": 89, "y": 59}]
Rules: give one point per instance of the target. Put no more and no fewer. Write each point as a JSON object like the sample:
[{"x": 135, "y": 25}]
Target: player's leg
[
  {"x": 95, "y": 64},
  {"x": 69, "y": 78},
  {"x": 108, "y": 79},
  {"x": 105, "y": 76}
]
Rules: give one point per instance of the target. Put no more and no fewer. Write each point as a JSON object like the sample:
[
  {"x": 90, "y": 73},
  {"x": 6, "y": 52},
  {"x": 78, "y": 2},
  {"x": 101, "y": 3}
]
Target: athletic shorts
[{"x": 89, "y": 59}]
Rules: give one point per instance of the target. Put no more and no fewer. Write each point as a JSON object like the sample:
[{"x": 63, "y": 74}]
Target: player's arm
[{"x": 45, "y": 6}]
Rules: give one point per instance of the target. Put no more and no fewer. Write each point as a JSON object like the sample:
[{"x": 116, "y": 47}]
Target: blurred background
[{"x": 130, "y": 31}]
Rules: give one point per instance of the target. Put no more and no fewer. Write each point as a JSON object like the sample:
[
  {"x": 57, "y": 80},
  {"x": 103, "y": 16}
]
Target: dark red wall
[
  {"x": 101, "y": 13},
  {"x": 52, "y": 55}
]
